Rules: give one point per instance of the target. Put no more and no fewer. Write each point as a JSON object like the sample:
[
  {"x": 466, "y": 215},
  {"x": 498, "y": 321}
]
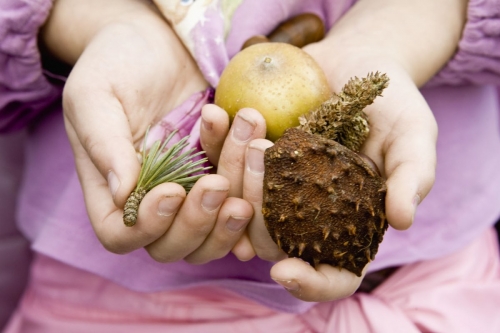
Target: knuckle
[
  {"x": 429, "y": 180},
  {"x": 110, "y": 239},
  {"x": 267, "y": 254},
  {"x": 199, "y": 228},
  {"x": 206, "y": 256},
  {"x": 197, "y": 260},
  {"x": 220, "y": 250},
  {"x": 232, "y": 161},
  {"x": 253, "y": 194},
  {"x": 115, "y": 245},
  {"x": 160, "y": 255},
  {"x": 93, "y": 147}
]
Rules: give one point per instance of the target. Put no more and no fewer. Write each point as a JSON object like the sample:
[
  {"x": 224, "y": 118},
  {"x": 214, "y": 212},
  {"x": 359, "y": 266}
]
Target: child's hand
[
  {"x": 401, "y": 142},
  {"x": 242, "y": 161},
  {"x": 132, "y": 70},
  {"x": 238, "y": 154},
  {"x": 389, "y": 36},
  {"x": 403, "y": 134}
]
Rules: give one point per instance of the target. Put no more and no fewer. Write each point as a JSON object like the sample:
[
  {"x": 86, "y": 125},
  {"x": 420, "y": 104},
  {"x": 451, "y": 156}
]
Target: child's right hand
[
  {"x": 401, "y": 142},
  {"x": 130, "y": 70},
  {"x": 373, "y": 36}
]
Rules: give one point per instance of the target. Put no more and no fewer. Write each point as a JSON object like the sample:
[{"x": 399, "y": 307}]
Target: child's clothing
[
  {"x": 438, "y": 295},
  {"x": 464, "y": 203},
  {"x": 15, "y": 258}
]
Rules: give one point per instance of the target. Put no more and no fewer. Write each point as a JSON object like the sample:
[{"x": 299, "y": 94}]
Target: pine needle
[{"x": 161, "y": 165}]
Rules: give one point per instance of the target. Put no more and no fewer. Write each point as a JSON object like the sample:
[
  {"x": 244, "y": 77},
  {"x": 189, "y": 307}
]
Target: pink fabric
[
  {"x": 186, "y": 119},
  {"x": 25, "y": 92},
  {"x": 14, "y": 248},
  {"x": 51, "y": 211},
  {"x": 457, "y": 293},
  {"x": 478, "y": 55}
]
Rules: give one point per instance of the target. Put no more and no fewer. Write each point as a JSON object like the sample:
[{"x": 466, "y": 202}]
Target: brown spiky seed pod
[{"x": 323, "y": 202}]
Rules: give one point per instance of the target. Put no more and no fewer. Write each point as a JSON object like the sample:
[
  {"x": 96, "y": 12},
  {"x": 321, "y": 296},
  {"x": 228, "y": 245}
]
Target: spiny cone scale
[{"x": 322, "y": 201}]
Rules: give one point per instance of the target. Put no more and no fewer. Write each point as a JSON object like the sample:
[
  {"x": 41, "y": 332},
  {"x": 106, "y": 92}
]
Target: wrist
[
  {"x": 343, "y": 65},
  {"x": 402, "y": 90},
  {"x": 72, "y": 24},
  {"x": 416, "y": 36}
]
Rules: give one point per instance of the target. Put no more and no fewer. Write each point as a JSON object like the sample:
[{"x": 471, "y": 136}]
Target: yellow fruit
[{"x": 279, "y": 80}]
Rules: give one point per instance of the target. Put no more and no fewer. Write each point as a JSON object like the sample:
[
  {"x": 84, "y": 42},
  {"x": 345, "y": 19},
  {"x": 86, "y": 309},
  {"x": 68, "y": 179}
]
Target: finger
[
  {"x": 326, "y": 283},
  {"x": 262, "y": 242},
  {"x": 243, "y": 249},
  {"x": 232, "y": 220},
  {"x": 410, "y": 178},
  {"x": 100, "y": 125},
  {"x": 214, "y": 129},
  {"x": 248, "y": 124},
  {"x": 156, "y": 210},
  {"x": 194, "y": 220},
  {"x": 403, "y": 143},
  {"x": 410, "y": 166}
]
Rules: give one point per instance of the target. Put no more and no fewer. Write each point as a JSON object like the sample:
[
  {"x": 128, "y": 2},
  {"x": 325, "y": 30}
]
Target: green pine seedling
[{"x": 159, "y": 167}]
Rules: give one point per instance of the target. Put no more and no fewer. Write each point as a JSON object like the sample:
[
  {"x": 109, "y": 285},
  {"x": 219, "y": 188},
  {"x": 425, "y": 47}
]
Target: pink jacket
[{"x": 51, "y": 213}]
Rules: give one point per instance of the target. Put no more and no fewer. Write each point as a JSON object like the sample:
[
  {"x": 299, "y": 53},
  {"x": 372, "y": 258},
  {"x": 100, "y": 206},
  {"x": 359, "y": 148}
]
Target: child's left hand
[{"x": 402, "y": 141}]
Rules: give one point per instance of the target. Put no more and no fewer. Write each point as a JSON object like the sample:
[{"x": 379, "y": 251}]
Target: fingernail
[
  {"x": 212, "y": 200},
  {"x": 235, "y": 224},
  {"x": 242, "y": 128},
  {"x": 113, "y": 183},
  {"x": 290, "y": 285},
  {"x": 206, "y": 124},
  {"x": 169, "y": 205},
  {"x": 255, "y": 160}
]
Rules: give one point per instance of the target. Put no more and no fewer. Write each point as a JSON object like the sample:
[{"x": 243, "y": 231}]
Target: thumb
[{"x": 99, "y": 130}]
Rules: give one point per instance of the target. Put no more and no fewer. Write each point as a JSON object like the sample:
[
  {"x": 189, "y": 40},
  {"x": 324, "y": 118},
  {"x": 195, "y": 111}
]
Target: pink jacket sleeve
[
  {"x": 25, "y": 90},
  {"x": 477, "y": 60}
]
